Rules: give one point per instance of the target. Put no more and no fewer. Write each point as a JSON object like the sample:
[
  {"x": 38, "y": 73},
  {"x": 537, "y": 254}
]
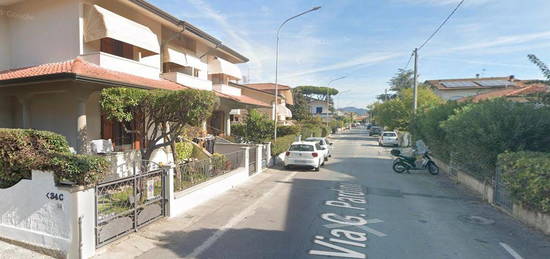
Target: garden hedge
[
  {"x": 282, "y": 144},
  {"x": 22, "y": 150},
  {"x": 527, "y": 175}
]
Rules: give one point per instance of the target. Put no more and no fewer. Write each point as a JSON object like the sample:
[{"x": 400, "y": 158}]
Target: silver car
[
  {"x": 388, "y": 138},
  {"x": 325, "y": 145}
]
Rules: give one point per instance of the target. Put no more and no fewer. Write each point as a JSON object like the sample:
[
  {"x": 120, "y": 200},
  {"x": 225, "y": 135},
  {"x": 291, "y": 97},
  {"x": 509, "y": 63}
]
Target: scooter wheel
[
  {"x": 399, "y": 167},
  {"x": 433, "y": 168}
]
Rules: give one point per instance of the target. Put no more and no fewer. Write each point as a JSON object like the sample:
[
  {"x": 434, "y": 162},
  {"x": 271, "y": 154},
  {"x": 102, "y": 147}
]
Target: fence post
[
  {"x": 169, "y": 191},
  {"x": 269, "y": 158},
  {"x": 259, "y": 158},
  {"x": 246, "y": 158}
]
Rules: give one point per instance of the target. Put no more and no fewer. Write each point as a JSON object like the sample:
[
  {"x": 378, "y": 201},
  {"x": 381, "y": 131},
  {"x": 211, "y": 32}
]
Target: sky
[{"x": 369, "y": 40}]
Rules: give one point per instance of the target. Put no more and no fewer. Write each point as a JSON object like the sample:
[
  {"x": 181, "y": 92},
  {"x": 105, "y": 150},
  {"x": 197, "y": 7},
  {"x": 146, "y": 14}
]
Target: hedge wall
[
  {"x": 22, "y": 150},
  {"x": 282, "y": 144},
  {"x": 528, "y": 177}
]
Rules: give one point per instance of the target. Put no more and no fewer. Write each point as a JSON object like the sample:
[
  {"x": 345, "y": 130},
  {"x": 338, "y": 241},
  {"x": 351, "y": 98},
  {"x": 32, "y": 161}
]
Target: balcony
[
  {"x": 188, "y": 80},
  {"x": 226, "y": 89},
  {"x": 124, "y": 65}
]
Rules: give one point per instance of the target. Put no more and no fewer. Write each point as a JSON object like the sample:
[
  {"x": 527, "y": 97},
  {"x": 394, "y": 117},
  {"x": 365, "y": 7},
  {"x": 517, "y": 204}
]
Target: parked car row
[{"x": 311, "y": 153}]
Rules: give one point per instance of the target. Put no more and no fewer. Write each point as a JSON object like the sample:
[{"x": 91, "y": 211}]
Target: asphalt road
[{"x": 307, "y": 214}]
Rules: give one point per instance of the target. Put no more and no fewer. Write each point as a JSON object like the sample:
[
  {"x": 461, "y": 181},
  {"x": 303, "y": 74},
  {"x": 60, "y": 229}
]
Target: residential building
[
  {"x": 319, "y": 108},
  {"x": 265, "y": 92},
  {"x": 57, "y": 55},
  {"x": 519, "y": 94},
  {"x": 454, "y": 89}
]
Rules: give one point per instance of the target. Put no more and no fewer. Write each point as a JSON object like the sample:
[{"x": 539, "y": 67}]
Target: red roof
[
  {"x": 82, "y": 68},
  {"x": 268, "y": 86},
  {"x": 509, "y": 92},
  {"x": 242, "y": 99},
  {"x": 473, "y": 83}
]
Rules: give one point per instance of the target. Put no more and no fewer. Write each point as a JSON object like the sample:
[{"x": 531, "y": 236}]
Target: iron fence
[
  {"x": 196, "y": 172},
  {"x": 502, "y": 197},
  {"x": 124, "y": 205},
  {"x": 252, "y": 161}
]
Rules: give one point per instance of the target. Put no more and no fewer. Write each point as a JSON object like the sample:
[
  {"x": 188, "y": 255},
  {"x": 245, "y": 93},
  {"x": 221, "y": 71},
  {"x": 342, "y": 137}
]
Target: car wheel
[
  {"x": 326, "y": 158},
  {"x": 287, "y": 167}
]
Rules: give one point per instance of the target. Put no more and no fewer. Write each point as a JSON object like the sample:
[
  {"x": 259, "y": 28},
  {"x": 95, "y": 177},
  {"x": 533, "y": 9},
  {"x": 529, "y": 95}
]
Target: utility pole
[{"x": 415, "y": 84}]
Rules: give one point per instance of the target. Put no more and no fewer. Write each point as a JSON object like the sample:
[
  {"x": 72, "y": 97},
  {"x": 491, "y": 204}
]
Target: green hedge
[
  {"x": 184, "y": 150},
  {"x": 288, "y": 130},
  {"x": 477, "y": 133},
  {"x": 528, "y": 177},
  {"x": 282, "y": 144},
  {"x": 23, "y": 150}
]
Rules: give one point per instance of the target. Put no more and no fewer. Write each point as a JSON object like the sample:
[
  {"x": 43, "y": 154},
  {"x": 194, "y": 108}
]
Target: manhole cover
[{"x": 478, "y": 220}]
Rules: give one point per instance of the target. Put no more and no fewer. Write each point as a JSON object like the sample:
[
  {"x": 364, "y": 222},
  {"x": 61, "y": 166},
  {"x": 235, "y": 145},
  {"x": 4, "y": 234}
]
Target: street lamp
[
  {"x": 330, "y": 82},
  {"x": 277, "y": 64}
]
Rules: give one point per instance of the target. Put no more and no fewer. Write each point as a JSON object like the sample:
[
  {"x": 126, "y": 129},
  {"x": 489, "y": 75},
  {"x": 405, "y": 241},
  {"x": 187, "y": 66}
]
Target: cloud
[
  {"x": 447, "y": 2},
  {"x": 369, "y": 59},
  {"x": 235, "y": 36}
]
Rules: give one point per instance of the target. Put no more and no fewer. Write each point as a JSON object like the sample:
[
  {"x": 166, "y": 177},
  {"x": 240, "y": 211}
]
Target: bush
[
  {"x": 311, "y": 130},
  {"x": 23, "y": 150},
  {"x": 288, "y": 130},
  {"x": 478, "y": 133},
  {"x": 527, "y": 175},
  {"x": 184, "y": 150},
  {"x": 427, "y": 127},
  {"x": 282, "y": 144},
  {"x": 257, "y": 128}
]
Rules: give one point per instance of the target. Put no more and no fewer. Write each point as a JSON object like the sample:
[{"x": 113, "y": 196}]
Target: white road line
[
  {"x": 237, "y": 219},
  {"x": 510, "y": 251}
]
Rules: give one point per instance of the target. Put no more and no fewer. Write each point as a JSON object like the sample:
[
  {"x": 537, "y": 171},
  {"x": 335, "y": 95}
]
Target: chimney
[{"x": 477, "y": 76}]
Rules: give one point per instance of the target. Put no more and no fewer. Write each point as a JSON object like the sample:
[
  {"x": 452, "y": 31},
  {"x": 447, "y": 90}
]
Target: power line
[
  {"x": 441, "y": 25},
  {"x": 408, "y": 62}
]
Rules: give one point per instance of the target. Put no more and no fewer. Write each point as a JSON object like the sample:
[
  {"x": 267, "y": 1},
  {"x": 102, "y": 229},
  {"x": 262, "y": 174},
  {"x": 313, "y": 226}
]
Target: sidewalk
[
  {"x": 212, "y": 214},
  {"x": 10, "y": 251}
]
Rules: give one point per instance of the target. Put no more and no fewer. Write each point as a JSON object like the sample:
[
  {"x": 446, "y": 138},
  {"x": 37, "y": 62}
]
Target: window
[
  {"x": 122, "y": 140},
  {"x": 319, "y": 110},
  {"x": 301, "y": 147},
  {"x": 389, "y": 134},
  {"x": 196, "y": 72},
  {"x": 117, "y": 48}
]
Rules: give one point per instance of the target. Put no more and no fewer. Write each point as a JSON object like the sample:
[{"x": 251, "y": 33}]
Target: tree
[
  {"x": 403, "y": 79},
  {"x": 300, "y": 108},
  {"x": 543, "y": 68},
  {"x": 257, "y": 128},
  {"x": 397, "y": 113},
  {"x": 159, "y": 115}
]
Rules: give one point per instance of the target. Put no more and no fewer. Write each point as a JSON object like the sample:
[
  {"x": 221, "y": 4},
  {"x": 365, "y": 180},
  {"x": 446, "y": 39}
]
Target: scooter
[{"x": 405, "y": 164}]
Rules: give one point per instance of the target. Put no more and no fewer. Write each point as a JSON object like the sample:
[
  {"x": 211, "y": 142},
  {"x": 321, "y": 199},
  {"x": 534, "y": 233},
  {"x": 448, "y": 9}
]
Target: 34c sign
[{"x": 54, "y": 196}]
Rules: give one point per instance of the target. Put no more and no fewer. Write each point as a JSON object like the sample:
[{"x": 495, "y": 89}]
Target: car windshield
[
  {"x": 301, "y": 147},
  {"x": 389, "y": 134}
]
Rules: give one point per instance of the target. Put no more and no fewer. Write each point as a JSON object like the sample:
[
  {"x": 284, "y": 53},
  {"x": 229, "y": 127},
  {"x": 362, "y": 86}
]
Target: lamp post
[
  {"x": 277, "y": 64},
  {"x": 330, "y": 82}
]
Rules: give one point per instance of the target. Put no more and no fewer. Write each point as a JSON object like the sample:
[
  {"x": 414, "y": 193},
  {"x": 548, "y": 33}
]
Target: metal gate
[
  {"x": 124, "y": 205},
  {"x": 252, "y": 160},
  {"x": 502, "y": 196}
]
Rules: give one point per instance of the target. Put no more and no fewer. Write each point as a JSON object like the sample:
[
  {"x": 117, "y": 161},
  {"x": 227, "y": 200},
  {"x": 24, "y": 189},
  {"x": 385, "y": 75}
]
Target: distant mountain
[{"x": 359, "y": 111}]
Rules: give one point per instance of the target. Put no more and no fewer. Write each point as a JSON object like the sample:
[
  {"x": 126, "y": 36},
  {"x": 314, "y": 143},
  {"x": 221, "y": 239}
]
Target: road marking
[
  {"x": 237, "y": 219},
  {"x": 365, "y": 228},
  {"x": 510, "y": 251}
]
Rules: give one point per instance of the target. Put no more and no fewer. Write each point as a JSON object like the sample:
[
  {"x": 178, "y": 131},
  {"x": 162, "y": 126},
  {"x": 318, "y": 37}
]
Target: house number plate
[{"x": 54, "y": 196}]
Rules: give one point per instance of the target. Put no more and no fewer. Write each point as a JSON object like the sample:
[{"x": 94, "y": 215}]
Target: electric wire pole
[{"x": 415, "y": 83}]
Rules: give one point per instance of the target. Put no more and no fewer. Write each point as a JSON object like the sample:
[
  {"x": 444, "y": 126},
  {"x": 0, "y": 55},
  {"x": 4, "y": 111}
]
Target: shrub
[
  {"x": 282, "y": 144},
  {"x": 477, "y": 133},
  {"x": 184, "y": 150},
  {"x": 427, "y": 127},
  {"x": 23, "y": 150},
  {"x": 527, "y": 175},
  {"x": 257, "y": 128},
  {"x": 288, "y": 130},
  {"x": 311, "y": 130}
]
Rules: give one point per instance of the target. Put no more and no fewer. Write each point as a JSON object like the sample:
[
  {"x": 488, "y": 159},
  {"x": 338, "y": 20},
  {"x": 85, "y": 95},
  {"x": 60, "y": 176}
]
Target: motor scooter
[{"x": 405, "y": 163}]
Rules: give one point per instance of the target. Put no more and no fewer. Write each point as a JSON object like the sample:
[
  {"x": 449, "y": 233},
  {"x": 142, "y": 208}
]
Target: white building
[{"x": 57, "y": 55}]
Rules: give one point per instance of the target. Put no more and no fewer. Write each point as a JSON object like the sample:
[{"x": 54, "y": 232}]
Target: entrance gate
[
  {"x": 124, "y": 205},
  {"x": 502, "y": 196}
]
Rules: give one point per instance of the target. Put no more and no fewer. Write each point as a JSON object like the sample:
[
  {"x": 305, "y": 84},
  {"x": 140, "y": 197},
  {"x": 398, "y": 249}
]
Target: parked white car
[
  {"x": 325, "y": 146},
  {"x": 306, "y": 154},
  {"x": 388, "y": 138}
]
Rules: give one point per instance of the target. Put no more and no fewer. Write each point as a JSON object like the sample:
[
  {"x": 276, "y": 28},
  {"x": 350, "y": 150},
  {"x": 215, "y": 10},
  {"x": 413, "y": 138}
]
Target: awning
[
  {"x": 222, "y": 66},
  {"x": 101, "y": 23},
  {"x": 181, "y": 58},
  {"x": 282, "y": 110}
]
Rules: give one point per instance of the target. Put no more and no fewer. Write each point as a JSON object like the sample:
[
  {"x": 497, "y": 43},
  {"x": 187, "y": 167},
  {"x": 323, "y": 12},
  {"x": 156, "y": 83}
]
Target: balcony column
[
  {"x": 227, "y": 126},
  {"x": 81, "y": 126},
  {"x": 25, "y": 101}
]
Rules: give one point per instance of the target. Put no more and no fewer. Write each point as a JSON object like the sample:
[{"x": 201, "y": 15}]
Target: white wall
[
  {"x": 313, "y": 107},
  {"x": 46, "y": 32},
  {"x": 27, "y": 215},
  {"x": 5, "y": 56},
  {"x": 457, "y": 94},
  {"x": 93, "y": 116},
  {"x": 56, "y": 113}
]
